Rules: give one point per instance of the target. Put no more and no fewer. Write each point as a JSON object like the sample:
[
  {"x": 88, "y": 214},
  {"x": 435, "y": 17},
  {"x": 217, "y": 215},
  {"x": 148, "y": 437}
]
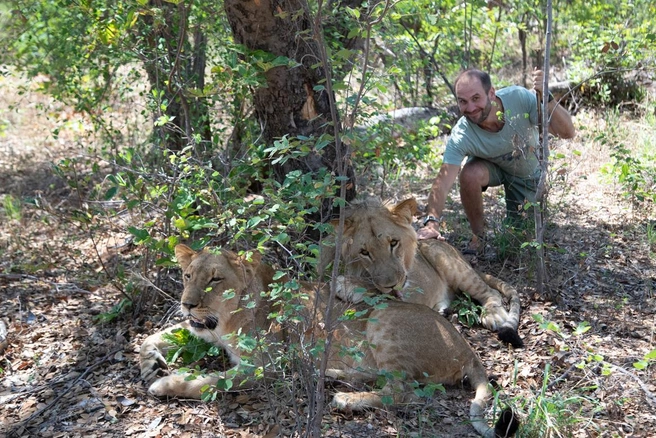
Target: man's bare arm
[
  {"x": 437, "y": 198},
  {"x": 560, "y": 122}
]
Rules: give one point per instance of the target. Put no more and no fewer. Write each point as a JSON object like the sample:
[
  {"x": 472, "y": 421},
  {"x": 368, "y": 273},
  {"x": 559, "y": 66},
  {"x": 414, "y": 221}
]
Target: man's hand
[
  {"x": 560, "y": 122},
  {"x": 538, "y": 77},
  {"x": 430, "y": 231}
]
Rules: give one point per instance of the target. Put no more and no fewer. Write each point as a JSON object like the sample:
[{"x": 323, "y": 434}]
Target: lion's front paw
[
  {"x": 356, "y": 401},
  {"x": 168, "y": 386},
  {"x": 182, "y": 386},
  {"x": 349, "y": 291},
  {"x": 153, "y": 366}
]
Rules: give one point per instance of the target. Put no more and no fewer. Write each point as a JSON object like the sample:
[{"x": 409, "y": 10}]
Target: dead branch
[
  {"x": 49, "y": 406},
  {"x": 4, "y": 333},
  {"x": 651, "y": 398}
]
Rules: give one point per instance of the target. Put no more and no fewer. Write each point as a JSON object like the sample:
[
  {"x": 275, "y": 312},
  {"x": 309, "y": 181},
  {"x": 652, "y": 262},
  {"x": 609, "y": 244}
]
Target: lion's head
[
  {"x": 214, "y": 285},
  {"x": 380, "y": 242}
]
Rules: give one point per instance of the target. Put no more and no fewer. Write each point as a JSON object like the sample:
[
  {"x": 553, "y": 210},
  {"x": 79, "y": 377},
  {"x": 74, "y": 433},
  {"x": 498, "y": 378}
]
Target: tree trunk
[
  {"x": 540, "y": 211},
  {"x": 174, "y": 65},
  {"x": 289, "y": 104}
]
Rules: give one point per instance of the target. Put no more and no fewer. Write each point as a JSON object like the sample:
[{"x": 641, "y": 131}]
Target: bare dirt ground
[{"x": 63, "y": 373}]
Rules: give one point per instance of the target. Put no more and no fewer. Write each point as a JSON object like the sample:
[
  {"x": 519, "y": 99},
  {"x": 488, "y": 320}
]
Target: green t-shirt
[{"x": 512, "y": 148}]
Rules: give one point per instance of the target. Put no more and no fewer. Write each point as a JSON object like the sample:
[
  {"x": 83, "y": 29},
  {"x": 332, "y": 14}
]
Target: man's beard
[{"x": 483, "y": 115}]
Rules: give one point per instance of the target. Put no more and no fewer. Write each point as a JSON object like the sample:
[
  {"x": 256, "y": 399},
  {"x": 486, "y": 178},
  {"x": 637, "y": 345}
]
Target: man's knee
[{"x": 474, "y": 173}]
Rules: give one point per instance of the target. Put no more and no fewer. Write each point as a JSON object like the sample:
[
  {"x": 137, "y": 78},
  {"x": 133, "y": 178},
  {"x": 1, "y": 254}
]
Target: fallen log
[{"x": 409, "y": 119}]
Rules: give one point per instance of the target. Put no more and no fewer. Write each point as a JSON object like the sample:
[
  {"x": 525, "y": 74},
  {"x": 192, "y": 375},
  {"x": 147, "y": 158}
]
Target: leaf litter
[{"x": 66, "y": 375}]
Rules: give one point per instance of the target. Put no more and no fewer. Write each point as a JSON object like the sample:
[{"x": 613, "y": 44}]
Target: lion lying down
[
  {"x": 403, "y": 337},
  {"x": 380, "y": 249}
]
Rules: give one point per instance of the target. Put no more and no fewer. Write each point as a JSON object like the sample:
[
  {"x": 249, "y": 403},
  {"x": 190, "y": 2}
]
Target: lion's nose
[
  {"x": 189, "y": 306},
  {"x": 386, "y": 288},
  {"x": 388, "y": 283}
]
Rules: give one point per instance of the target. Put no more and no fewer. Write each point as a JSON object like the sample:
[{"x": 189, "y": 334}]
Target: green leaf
[
  {"x": 282, "y": 238},
  {"x": 582, "y": 328},
  {"x": 640, "y": 365},
  {"x": 344, "y": 54},
  {"x": 252, "y": 222},
  {"x": 224, "y": 384},
  {"x": 109, "y": 194},
  {"x": 180, "y": 224},
  {"x": 142, "y": 235},
  {"x": 597, "y": 357},
  {"x": 229, "y": 294},
  {"x": 353, "y": 12},
  {"x": 354, "y": 32}
]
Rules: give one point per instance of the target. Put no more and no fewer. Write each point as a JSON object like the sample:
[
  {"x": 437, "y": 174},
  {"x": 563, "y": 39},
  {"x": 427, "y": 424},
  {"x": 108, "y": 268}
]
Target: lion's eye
[
  {"x": 394, "y": 243},
  {"x": 187, "y": 276},
  {"x": 364, "y": 253},
  {"x": 216, "y": 279}
]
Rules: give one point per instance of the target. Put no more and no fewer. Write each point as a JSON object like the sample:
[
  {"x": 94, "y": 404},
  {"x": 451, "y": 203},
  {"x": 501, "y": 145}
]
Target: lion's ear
[
  {"x": 348, "y": 224},
  {"x": 184, "y": 254},
  {"x": 406, "y": 209},
  {"x": 244, "y": 263},
  {"x": 255, "y": 259}
]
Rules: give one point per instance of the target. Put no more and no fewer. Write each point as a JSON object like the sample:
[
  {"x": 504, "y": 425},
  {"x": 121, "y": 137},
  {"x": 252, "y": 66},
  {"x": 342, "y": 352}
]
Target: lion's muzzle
[{"x": 209, "y": 322}]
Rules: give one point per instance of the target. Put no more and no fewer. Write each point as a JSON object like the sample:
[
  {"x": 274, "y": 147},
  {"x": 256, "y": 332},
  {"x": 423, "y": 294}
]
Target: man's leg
[
  {"x": 476, "y": 176},
  {"x": 474, "y": 179},
  {"x": 518, "y": 193}
]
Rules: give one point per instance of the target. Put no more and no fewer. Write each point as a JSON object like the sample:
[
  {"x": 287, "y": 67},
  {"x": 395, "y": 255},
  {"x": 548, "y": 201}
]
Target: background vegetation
[{"x": 161, "y": 101}]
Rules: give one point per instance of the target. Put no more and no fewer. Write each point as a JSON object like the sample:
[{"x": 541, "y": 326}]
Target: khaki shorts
[{"x": 518, "y": 190}]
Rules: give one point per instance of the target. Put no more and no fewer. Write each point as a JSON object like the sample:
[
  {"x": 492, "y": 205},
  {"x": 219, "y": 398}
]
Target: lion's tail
[
  {"x": 506, "y": 425},
  {"x": 508, "y": 330}
]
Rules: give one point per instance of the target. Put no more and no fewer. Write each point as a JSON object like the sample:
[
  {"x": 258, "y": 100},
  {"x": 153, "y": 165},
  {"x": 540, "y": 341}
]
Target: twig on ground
[
  {"x": 49, "y": 406},
  {"x": 651, "y": 398},
  {"x": 4, "y": 334},
  {"x": 563, "y": 376},
  {"x": 60, "y": 287},
  {"x": 18, "y": 277},
  {"x": 145, "y": 281}
]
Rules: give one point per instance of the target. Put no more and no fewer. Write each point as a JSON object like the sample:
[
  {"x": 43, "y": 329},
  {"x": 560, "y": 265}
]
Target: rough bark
[
  {"x": 174, "y": 65},
  {"x": 289, "y": 104}
]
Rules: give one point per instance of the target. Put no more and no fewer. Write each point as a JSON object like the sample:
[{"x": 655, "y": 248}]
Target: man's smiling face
[{"x": 473, "y": 101}]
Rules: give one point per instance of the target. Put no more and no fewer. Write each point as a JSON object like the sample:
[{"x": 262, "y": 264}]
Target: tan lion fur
[
  {"x": 380, "y": 249},
  {"x": 404, "y": 337}
]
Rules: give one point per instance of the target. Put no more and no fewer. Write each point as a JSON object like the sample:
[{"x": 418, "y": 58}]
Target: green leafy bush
[{"x": 189, "y": 349}]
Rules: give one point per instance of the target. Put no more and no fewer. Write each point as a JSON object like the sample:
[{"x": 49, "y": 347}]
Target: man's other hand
[
  {"x": 430, "y": 231},
  {"x": 538, "y": 77}
]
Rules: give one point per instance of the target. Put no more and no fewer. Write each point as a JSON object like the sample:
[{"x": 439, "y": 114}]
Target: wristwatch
[{"x": 430, "y": 218}]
